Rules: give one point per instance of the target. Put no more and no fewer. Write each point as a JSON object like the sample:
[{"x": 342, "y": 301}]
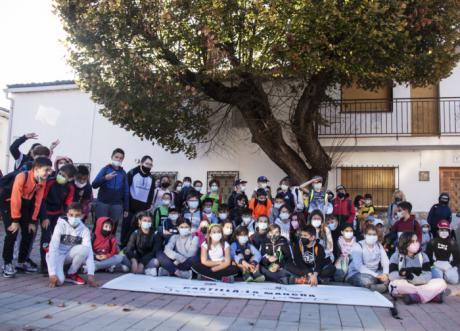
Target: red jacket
[
  {"x": 344, "y": 209},
  {"x": 104, "y": 245}
]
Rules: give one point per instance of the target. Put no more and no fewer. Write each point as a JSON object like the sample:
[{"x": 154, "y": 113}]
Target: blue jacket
[
  {"x": 114, "y": 191},
  {"x": 438, "y": 212}
]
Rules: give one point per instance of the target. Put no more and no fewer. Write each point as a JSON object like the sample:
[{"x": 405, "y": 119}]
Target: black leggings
[{"x": 201, "y": 269}]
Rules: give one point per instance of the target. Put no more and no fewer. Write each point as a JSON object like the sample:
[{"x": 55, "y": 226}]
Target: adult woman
[
  {"x": 215, "y": 260},
  {"x": 410, "y": 273}
]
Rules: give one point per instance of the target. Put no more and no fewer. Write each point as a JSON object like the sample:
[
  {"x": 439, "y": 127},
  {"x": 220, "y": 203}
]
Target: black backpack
[{"x": 6, "y": 184}]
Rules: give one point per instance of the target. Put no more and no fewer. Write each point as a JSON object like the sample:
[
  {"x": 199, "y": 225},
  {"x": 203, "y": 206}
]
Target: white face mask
[
  {"x": 263, "y": 226},
  {"x": 277, "y": 205},
  {"x": 216, "y": 236},
  {"x": 173, "y": 217},
  {"x": 187, "y": 184},
  {"x": 370, "y": 239},
  {"x": 242, "y": 188},
  {"x": 317, "y": 186},
  {"x": 444, "y": 234},
  {"x": 227, "y": 231},
  {"x": 184, "y": 232},
  {"x": 198, "y": 188},
  {"x": 193, "y": 204},
  {"x": 348, "y": 234},
  {"x": 243, "y": 240},
  {"x": 284, "y": 216},
  {"x": 166, "y": 202},
  {"x": 246, "y": 220},
  {"x": 425, "y": 229},
  {"x": 263, "y": 185},
  {"x": 284, "y": 187},
  {"x": 178, "y": 188},
  {"x": 223, "y": 216},
  {"x": 146, "y": 225},
  {"x": 332, "y": 226},
  {"x": 207, "y": 210},
  {"x": 115, "y": 163},
  {"x": 316, "y": 223},
  {"x": 399, "y": 214},
  {"x": 368, "y": 202},
  {"x": 80, "y": 184},
  {"x": 74, "y": 221}
]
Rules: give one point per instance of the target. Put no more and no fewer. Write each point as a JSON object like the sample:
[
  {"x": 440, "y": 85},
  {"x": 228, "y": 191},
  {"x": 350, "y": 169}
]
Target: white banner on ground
[{"x": 329, "y": 294}]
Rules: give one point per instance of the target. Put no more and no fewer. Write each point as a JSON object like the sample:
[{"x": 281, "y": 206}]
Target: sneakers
[
  {"x": 184, "y": 274},
  {"x": 227, "y": 279},
  {"x": 32, "y": 263},
  {"x": 9, "y": 271},
  {"x": 75, "y": 279},
  {"x": 301, "y": 280},
  {"x": 162, "y": 272},
  {"x": 151, "y": 272},
  {"x": 247, "y": 277},
  {"x": 124, "y": 268},
  {"x": 26, "y": 267},
  {"x": 410, "y": 299},
  {"x": 258, "y": 277},
  {"x": 111, "y": 269},
  {"x": 381, "y": 288},
  {"x": 437, "y": 299}
]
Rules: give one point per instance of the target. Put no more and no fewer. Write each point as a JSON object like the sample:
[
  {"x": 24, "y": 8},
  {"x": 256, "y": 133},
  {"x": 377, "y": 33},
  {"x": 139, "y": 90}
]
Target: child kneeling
[
  {"x": 410, "y": 273},
  {"x": 70, "y": 245},
  {"x": 105, "y": 247},
  {"x": 246, "y": 256},
  {"x": 215, "y": 262}
]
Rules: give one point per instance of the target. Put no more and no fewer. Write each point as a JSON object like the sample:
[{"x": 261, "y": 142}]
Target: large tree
[{"x": 162, "y": 67}]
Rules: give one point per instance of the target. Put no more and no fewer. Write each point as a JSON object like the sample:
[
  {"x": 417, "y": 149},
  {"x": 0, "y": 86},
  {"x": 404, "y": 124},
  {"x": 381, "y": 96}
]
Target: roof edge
[{"x": 42, "y": 86}]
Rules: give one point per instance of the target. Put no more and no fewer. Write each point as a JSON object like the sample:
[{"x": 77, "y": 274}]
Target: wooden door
[
  {"x": 425, "y": 110},
  {"x": 226, "y": 180},
  {"x": 449, "y": 181}
]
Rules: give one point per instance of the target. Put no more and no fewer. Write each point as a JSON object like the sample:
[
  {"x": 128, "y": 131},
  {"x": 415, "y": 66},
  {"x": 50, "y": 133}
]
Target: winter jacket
[
  {"x": 289, "y": 200},
  {"x": 417, "y": 268},
  {"x": 344, "y": 210},
  {"x": 259, "y": 208},
  {"x": 26, "y": 196},
  {"x": 438, "y": 212},
  {"x": 368, "y": 261},
  {"x": 246, "y": 252},
  {"x": 104, "y": 245},
  {"x": 281, "y": 249},
  {"x": 84, "y": 196},
  {"x": 58, "y": 197},
  {"x": 141, "y": 188},
  {"x": 19, "y": 157},
  {"x": 143, "y": 247},
  {"x": 114, "y": 191},
  {"x": 180, "y": 249},
  {"x": 258, "y": 239},
  {"x": 231, "y": 202},
  {"x": 311, "y": 258}
]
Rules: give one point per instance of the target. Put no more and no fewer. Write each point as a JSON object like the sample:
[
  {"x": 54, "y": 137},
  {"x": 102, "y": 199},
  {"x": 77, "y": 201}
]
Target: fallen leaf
[
  {"x": 61, "y": 305},
  {"x": 47, "y": 316},
  {"x": 79, "y": 302},
  {"x": 190, "y": 307},
  {"x": 111, "y": 304},
  {"x": 93, "y": 305},
  {"x": 28, "y": 328},
  {"x": 50, "y": 302},
  {"x": 126, "y": 309}
]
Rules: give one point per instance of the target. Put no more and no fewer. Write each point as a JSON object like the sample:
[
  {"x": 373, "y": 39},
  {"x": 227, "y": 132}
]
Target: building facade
[{"x": 396, "y": 137}]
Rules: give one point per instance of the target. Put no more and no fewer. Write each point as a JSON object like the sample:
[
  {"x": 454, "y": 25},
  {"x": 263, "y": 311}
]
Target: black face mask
[
  {"x": 397, "y": 200},
  {"x": 164, "y": 185},
  {"x": 105, "y": 233},
  {"x": 145, "y": 170},
  {"x": 341, "y": 195},
  {"x": 305, "y": 241},
  {"x": 204, "y": 229}
]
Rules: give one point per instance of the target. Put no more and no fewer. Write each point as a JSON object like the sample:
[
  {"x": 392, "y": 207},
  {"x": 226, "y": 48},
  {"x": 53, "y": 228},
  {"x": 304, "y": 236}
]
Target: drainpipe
[{"x": 10, "y": 127}]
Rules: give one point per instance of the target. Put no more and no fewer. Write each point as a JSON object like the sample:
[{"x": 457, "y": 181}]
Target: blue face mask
[
  {"x": 193, "y": 204},
  {"x": 74, "y": 221}
]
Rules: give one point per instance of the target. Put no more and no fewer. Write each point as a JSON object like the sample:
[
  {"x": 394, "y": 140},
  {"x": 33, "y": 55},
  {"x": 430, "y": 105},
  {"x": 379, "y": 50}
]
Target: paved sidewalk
[{"x": 26, "y": 303}]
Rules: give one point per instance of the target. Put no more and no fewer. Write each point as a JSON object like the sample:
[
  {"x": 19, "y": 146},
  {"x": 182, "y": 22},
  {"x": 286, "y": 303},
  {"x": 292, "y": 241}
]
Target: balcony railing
[{"x": 392, "y": 118}]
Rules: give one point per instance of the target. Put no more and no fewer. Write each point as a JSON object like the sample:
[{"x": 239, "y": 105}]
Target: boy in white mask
[{"x": 317, "y": 197}]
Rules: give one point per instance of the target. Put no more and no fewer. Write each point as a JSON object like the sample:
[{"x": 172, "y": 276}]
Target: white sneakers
[{"x": 151, "y": 272}]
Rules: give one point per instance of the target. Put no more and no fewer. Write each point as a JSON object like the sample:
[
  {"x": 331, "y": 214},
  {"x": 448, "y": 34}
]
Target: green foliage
[{"x": 153, "y": 64}]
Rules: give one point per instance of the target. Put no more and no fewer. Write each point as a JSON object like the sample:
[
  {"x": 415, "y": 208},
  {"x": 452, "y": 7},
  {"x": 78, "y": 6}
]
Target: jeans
[
  {"x": 450, "y": 276},
  {"x": 363, "y": 280},
  {"x": 168, "y": 264},
  {"x": 107, "y": 263}
]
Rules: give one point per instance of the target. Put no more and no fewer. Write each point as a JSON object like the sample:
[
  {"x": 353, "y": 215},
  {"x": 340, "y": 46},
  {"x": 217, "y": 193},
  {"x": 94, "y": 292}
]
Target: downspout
[{"x": 10, "y": 131}]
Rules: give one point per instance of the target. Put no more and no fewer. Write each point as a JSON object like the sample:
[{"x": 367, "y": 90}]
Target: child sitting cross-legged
[{"x": 246, "y": 256}]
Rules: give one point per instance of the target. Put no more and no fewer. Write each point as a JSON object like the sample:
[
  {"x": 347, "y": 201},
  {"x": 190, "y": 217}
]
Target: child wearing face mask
[
  {"x": 177, "y": 187},
  {"x": 105, "y": 247},
  {"x": 406, "y": 222},
  {"x": 444, "y": 254},
  {"x": 83, "y": 191},
  {"x": 246, "y": 256},
  {"x": 440, "y": 211},
  {"x": 170, "y": 224},
  {"x": 333, "y": 225},
  {"x": 276, "y": 255},
  {"x": 179, "y": 253},
  {"x": 214, "y": 195},
  {"x": 237, "y": 210},
  {"x": 227, "y": 231},
  {"x": 285, "y": 192},
  {"x": 165, "y": 183},
  {"x": 398, "y": 196},
  {"x": 345, "y": 243},
  {"x": 410, "y": 273},
  {"x": 366, "y": 211},
  {"x": 316, "y": 197},
  {"x": 369, "y": 265},
  {"x": 323, "y": 233},
  {"x": 284, "y": 222},
  {"x": 223, "y": 213},
  {"x": 215, "y": 258},
  {"x": 426, "y": 234},
  {"x": 202, "y": 231},
  {"x": 247, "y": 220},
  {"x": 208, "y": 211},
  {"x": 143, "y": 246},
  {"x": 58, "y": 196},
  {"x": 260, "y": 236},
  {"x": 113, "y": 193},
  {"x": 192, "y": 211},
  {"x": 275, "y": 210},
  {"x": 70, "y": 245},
  {"x": 160, "y": 214},
  {"x": 260, "y": 205}
]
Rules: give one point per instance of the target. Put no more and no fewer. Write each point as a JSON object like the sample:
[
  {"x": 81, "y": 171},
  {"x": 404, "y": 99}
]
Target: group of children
[{"x": 300, "y": 234}]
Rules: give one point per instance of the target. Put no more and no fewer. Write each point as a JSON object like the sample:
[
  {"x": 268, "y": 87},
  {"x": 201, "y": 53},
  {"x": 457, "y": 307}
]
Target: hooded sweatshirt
[
  {"x": 409, "y": 225},
  {"x": 114, "y": 191},
  {"x": 104, "y": 245},
  {"x": 443, "y": 250},
  {"x": 417, "y": 266},
  {"x": 439, "y": 211},
  {"x": 58, "y": 197},
  {"x": 141, "y": 189}
]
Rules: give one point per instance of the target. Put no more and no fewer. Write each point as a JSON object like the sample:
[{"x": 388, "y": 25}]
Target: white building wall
[{"x": 3, "y": 141}]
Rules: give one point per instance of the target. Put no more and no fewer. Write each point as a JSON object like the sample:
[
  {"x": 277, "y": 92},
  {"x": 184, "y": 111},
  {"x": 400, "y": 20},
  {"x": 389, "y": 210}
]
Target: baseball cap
[
  {"x": 262, "y": 179},
  {"x": 443, "y": 224},
  {"x": 239, "y": 181}
]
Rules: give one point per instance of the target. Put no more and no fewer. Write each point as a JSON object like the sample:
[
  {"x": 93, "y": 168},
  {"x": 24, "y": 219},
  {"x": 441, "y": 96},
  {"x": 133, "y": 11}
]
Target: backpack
[{"x": 6, "y": 184}]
